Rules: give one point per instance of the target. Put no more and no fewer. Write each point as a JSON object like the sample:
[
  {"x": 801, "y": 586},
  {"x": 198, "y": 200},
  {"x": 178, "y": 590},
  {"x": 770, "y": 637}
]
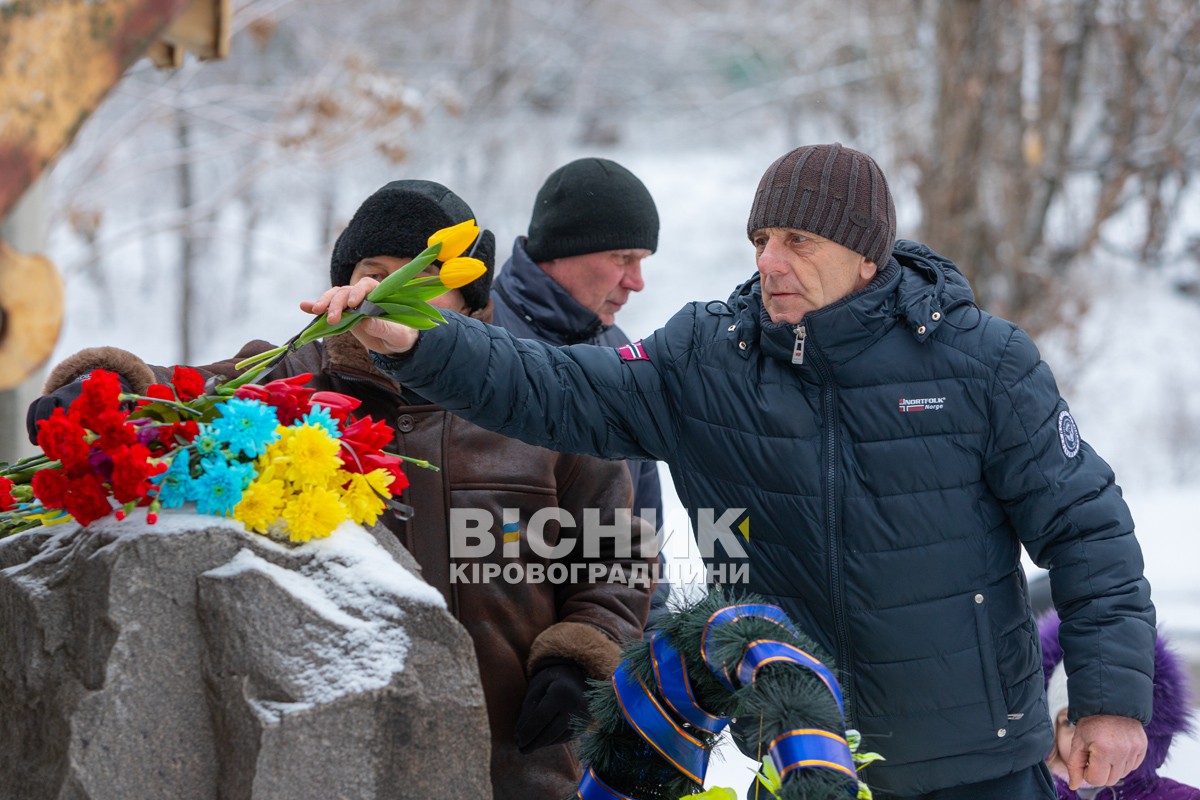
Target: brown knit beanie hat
[{"x": 831, "y": 191}]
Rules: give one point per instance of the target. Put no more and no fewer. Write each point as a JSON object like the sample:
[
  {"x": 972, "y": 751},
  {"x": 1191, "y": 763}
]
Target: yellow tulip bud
[
  {"x": 459, "y": 272},
  {"x": 455, "y": 239}
]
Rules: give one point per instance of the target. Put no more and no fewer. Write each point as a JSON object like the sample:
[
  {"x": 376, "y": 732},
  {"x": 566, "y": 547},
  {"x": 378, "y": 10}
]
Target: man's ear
[{"x": 867, "y": 270}]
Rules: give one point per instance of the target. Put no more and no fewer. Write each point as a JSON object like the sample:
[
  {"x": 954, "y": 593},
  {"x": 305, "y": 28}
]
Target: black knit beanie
[
  {"x": 831, "y": 191},
  {"x": 398, "y": 220},
  {"x": 589, "y": 206}
]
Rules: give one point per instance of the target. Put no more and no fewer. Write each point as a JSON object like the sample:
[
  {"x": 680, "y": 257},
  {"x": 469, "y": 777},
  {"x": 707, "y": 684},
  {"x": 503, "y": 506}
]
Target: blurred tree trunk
[
  {"x": 952, "y": 212},
  {"x": 187, "y": 243},
  {"x": 1051, "y": 117}
]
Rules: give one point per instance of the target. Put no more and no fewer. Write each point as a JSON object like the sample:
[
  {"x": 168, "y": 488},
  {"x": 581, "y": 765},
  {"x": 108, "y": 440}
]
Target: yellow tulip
[
  {"x": 455, "y": 239},
  {"x": 460, "y": 271}
]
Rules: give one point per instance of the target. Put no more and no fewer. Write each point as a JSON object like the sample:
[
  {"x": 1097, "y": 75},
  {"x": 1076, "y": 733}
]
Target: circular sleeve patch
[{"x": 1068, "y": 434}]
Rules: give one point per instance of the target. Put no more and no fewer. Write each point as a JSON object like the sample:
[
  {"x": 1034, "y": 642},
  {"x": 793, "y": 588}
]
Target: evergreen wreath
[{"x": 654, "y": 725}]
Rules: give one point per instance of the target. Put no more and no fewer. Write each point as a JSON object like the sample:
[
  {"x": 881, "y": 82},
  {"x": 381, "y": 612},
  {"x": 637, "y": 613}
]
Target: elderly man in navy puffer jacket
[{"x": 876, "y": 450}]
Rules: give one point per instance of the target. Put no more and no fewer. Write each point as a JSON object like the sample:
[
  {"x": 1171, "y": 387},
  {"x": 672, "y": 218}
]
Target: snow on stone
[
  {"x": 347, "y": 579},
  {"x": 301, "y": 587},
  {"x": 354, "y": 553},
  {"x": 351, "y": 581}
]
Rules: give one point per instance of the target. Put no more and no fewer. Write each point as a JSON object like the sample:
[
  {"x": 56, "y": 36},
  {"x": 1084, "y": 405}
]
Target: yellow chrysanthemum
[
  {"x": 339, "y": 479},
  {"x": 261, "y": 504},
  {"x": 272, "y": 464},
  {"x": 362, "y": 496},
  {"x": 458, "y": 272},
  {"x": 455, "y": 239},
  {"x": 313, "y": 514},
  {"x": 312, "y": 455}
]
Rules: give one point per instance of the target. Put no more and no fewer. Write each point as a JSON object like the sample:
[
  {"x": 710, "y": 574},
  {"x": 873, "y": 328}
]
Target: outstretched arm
[
  {"x": 581, "y": 399},
  {"x": 377, "y": 335}
]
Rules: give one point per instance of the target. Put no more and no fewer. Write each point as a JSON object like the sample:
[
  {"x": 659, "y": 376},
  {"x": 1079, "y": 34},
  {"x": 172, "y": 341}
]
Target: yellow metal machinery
[{"x": 58, "y": 60}]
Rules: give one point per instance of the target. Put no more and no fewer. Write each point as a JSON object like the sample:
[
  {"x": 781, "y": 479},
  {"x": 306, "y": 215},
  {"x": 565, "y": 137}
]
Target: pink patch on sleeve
[{"x": 633, "y": 351}]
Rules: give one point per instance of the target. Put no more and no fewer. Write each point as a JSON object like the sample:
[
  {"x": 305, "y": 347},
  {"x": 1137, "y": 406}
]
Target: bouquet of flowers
[{"x": 286, "y": 460}]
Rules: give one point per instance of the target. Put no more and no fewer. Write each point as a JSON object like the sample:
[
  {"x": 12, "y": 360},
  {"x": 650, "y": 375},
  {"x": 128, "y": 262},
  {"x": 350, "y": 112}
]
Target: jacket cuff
[
  {"x": 573, "y": 641},
  {"x": 136, "y": 372}
]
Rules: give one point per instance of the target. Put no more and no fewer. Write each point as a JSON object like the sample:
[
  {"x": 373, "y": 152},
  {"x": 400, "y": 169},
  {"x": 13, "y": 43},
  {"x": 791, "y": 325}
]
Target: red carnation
[
  {"x": 50, "y": 486},
  {"x": 100, "y": 392},
  {"x": 159, "y": 391},
  {"x": 131, "y": 471},
  {"x": 7, "y": 503},
  {"x": 169, "y": 436},
  {"x": 113, "y": 429},
  {"x": 189, "y": 383},
  {"x": 86, "y": 500},
  {"x": 62, "y": 438},
  {"x": 82, "y": 496}
]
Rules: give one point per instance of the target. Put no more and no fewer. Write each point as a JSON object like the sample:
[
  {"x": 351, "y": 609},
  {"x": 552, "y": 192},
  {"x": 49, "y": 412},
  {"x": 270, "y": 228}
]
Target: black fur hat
[{"x": 398, "y": 220}]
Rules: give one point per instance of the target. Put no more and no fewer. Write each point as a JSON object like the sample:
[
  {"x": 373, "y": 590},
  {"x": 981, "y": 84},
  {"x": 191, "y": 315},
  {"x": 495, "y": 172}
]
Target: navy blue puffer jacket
[{"x": 882, "y": 488}]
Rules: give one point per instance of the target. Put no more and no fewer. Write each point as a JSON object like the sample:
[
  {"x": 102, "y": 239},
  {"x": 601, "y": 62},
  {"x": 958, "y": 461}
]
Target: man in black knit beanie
[{"x": 593, "y": 223}]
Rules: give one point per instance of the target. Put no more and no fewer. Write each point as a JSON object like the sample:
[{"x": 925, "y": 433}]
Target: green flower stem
[
  {"x": 402, "y": 286},
  {"x": 416, "y": 462},
  {"x": 177, "y": 406},
  {"x": 260, "y": 357},
  {"x": 402, "y": 276},
  {"x": 28, "y": 464}
]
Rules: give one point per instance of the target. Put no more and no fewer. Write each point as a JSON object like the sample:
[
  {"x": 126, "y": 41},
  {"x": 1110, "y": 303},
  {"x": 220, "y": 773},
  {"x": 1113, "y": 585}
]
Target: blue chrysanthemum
[
  {"x": 175, "y": 486},
  {"x": 320, "y": 416},
  {"x": 206, "y": 443},
  {"x": 245, "y": 426},
  {"x": 245, "y": 471},
  {"x": 219, "y": 487}
]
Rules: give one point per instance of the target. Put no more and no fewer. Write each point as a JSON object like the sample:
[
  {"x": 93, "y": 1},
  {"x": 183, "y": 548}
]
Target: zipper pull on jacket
[{"x": 798, "y": 347}]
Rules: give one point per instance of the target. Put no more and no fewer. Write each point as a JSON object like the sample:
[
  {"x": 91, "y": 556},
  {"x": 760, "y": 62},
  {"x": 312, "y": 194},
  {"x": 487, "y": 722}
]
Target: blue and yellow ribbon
[
  {"x": 592, "y": 788},
  {"x": 811, "y": 747},
  {"x": 656, "y": 722},
  {"x": 670, "y": 674},
  {"x": 729, "y": 614},
  {"x": 655, "y": 725},
  {"x": 766, "y": 651}
]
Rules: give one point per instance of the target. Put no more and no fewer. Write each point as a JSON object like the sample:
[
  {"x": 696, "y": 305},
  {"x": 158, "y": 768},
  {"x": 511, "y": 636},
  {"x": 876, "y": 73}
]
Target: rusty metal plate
[
  {"x": 58, "y": 59},
  {"x": 31, "y": 313}
]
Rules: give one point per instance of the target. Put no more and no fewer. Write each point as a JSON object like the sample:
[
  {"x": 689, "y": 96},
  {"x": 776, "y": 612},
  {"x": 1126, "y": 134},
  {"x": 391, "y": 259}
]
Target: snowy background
[
  {"x": 234, "y": 179},
  {"x": 1133, "y": 374}
]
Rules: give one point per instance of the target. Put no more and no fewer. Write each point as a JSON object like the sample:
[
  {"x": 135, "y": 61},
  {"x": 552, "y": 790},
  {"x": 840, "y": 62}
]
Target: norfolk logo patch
[
  {"x": 1068, "y": 434},
  {"x": 911, "y": 405},
  {"x": 633, "y": 351}
]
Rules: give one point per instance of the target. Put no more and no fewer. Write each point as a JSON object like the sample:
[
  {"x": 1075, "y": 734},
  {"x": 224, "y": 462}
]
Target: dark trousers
[{"x": 1034, "y": 783}]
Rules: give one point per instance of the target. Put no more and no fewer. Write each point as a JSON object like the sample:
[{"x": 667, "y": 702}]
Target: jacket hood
[
  {"x": 545, "y": 305},
  {"x": 931, "y": 288},
  {"x": 1172, "y": 695}
]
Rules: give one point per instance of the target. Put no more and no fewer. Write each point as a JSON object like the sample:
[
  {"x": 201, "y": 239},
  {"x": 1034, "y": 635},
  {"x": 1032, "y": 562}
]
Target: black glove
[
  {"x": 556, "y": 695},
  {"x": 62, "y": 397}
]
